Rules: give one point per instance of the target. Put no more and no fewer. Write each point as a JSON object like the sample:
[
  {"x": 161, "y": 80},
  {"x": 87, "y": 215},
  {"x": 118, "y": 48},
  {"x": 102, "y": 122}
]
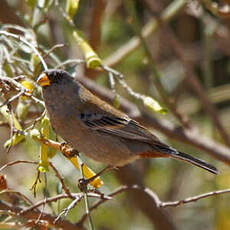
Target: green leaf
[
  {"x": 154, "y": 105},
  {"x": 31, "y": 3}
]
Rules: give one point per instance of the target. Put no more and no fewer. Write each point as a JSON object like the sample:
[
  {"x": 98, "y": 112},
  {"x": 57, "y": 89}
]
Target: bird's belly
[
  {"x": 106, "y": 149},
  {"x": 98, "y": 146},
  {"x": 102, "y": 147}
]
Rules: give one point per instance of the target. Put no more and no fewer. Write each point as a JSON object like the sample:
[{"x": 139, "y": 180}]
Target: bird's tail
[{"x": 200, "y": 163}]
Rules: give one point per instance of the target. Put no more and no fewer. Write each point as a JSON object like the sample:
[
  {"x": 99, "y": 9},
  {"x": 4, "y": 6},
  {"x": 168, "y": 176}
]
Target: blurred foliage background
[{"x": 174, "y": 51}]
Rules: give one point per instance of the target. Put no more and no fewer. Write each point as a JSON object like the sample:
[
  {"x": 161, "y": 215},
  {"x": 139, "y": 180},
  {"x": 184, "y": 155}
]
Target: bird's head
[{"x": 53, "y": 76}]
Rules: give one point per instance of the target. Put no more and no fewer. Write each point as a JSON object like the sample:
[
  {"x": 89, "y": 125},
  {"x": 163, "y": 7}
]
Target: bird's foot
[
  {"x": 67, "y": 150},
  {"x": 83, "y": 183}
]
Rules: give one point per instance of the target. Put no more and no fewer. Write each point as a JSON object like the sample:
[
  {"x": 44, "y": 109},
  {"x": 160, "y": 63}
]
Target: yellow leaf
[
  {"x": 87, "y": 172},
  {"x": 92, "y": 59},
  {"x": 71, "y": 7},
  {"x": 28, "y": 85},
  {"x": 44, "y": 164}
]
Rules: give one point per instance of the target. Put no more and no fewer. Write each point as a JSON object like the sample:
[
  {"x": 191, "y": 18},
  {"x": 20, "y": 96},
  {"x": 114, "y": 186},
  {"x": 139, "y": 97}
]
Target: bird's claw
[
  {"x": 82, "y": 184},
  {"x": 67, "y": 150}
]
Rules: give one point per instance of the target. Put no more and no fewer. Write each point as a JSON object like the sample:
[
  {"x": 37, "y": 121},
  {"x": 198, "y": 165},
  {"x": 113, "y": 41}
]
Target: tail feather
[{"x": 194, "y": 161}]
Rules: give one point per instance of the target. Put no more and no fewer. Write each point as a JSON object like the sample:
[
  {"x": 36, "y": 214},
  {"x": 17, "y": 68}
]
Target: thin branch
[
  {"x": 85, "y": 195},
  {"x": 20, "y": 38},
  {"x": 52, "y": 49},
  {"x": 64, "y": 224},
  {"x": 157, "y": 201},
  {"x": 59, "y": 197},
  {"x": 47, "y": 200},
  {"x": 35, "y": 121},
  {"x": 70, "y": 206},
  {"x": 21, "y": 88},
  {"x": 116, "y": 192},
  {"x": 17, "y": 85},
  {"x": 61, "y": 180},
  {"x": 70, "y": 61},
  {"x": 9, "y": 100},
  {"x": 12, "y": 128},
  {"x": 17, "y": 162},
  {"x": 193, "y": 198},
  {"x": 18, "y": 194}
]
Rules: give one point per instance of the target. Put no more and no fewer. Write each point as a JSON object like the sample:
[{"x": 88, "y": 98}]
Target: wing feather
[{"x": 122, "y": 127}]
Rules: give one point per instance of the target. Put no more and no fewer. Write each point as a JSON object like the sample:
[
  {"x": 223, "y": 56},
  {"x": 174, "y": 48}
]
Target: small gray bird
[{"x": 98, "y": 130}]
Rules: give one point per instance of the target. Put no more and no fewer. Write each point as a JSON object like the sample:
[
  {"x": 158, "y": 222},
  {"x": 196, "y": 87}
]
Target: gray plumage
[{"x": 97, "y": 129}]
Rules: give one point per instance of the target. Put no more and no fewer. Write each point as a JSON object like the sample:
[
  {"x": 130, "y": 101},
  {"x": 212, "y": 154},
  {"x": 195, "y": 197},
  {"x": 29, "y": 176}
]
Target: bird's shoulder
[
  {"x": 99, "y": 115},
  {"x": 93, "y": 104}
]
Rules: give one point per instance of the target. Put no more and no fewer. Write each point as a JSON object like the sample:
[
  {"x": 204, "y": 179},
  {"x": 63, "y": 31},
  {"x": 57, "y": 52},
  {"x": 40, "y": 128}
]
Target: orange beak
[{"x": 43, "y": 80}]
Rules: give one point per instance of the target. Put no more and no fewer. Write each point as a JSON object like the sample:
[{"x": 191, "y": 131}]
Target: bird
[{"x": 97, "y": 129}]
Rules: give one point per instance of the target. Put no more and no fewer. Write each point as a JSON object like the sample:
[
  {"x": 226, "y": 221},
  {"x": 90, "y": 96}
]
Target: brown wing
[
  {"x": 98, "y": 115},
  {"x": 120, "y": 126}
]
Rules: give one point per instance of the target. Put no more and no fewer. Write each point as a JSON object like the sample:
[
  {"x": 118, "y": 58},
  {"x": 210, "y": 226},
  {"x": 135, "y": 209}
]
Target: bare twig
[
  {"x": 35, "y": 121},
  {"x": 70, "y": 206},
  {"x": 45, "y": 201},
  {"x": 17, "y": 162},
  {"x": 18, "y": 194},
  {"x": 193, "y": 198},
  {"x": 64, "y": 224},
  {"x": 12, "y": 128},
  {"x": 52, "y": 49},
  {"x": 116, "y": 192},
  {"x": 21, "y": 88},
  {"x": 85, "y": 195},
  {"x": 61, "y": 180},
  {"x": 70, "y": 61},
  {"x": 59, "y": 197},
  {"x": 9, "y": 100},
  {"x": 156, "y": 199},
  {"x": 34, "y": 186},
  {"x": 20, "y": 38}
]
